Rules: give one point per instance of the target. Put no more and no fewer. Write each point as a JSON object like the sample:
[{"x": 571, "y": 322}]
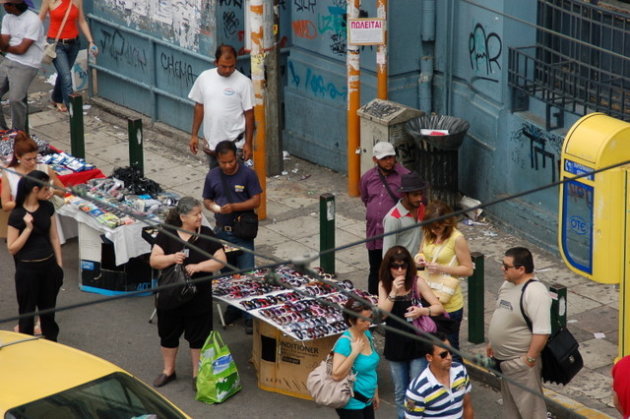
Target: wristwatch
[{"x": 531, "y": 360}]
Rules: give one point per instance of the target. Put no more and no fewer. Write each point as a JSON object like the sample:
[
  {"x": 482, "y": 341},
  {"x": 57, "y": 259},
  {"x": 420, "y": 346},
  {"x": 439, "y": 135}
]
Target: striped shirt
[{"x": 427, "y": 398}]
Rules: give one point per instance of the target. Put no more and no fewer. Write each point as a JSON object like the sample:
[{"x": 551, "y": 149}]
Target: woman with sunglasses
[
  {"x": 398, "y": 289},
  {"x": 445, "y": 257},
  {"x": 355, "y": 352},
  {"x": 32, "y": 240}
]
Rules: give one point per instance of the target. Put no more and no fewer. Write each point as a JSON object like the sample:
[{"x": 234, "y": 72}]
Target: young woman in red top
[{"x": 68, "y": 44}]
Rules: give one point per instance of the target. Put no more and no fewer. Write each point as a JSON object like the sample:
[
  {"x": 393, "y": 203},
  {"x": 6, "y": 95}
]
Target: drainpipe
[{"x": 425, "y": 81}]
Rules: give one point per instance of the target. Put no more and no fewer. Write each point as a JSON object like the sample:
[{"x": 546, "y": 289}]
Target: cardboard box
[
  {"x": 4, "y": 220},
  {"x": 283, "y": 363}
]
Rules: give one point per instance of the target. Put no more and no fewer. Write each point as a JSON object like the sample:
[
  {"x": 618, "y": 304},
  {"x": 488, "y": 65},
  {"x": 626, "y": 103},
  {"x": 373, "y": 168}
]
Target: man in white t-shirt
[
  {"x": 22, "y": 39},
  {"x": 514, "y": 346},
  {"x": 224, "y": 102}
]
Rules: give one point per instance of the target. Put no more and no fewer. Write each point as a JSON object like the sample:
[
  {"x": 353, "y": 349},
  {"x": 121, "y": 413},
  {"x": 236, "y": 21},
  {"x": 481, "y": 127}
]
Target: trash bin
[
  {"x": 383, "y": 120},
  {"x": 438, "y": 138}
]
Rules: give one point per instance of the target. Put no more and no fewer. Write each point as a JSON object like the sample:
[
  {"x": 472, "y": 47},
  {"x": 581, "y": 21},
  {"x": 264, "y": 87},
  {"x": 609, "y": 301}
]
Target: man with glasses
[
  {"x": 379, "y": 193},
  {"x": 515, "y": 348},
  {"x": 442, "y": 390}
]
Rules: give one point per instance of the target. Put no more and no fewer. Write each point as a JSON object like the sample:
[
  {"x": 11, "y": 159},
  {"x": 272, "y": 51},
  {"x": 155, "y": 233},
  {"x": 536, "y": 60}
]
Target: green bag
[{"x": 218, "y": 377}]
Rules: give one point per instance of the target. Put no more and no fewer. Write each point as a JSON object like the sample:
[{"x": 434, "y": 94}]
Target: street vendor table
[{"x": 293, "y": 329}]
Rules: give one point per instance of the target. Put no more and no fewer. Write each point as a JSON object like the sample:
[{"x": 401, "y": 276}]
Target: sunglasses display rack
[{"x": 315, "y": 316}]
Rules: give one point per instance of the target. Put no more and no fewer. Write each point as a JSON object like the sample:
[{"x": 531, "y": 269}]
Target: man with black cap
[
  {"x": 379, "y": 193},
  {"x": 407, "y": 212},
  {"x": 22, "y": 39}
]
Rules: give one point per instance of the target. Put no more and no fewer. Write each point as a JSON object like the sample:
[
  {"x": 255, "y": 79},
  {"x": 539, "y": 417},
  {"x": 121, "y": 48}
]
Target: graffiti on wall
[
  {"x": 544, "y": 149},
  {"x": 180, "y": 21},
  {"x": 115, "y": 44},
  {"x": 177, "y": 69},
  {"x": 310, "y": 80},
  {"x": 484, "y": 51}
]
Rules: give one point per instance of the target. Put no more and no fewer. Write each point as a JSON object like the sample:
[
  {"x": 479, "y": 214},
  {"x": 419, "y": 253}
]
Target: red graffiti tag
[{"x": 304, "y": 29}]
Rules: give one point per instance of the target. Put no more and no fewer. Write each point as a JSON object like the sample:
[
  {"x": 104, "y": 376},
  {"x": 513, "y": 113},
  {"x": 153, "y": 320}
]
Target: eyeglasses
[
  {"x": 395, "y": 266},
  {"x": 506, "y": 267},
  {"x": 444, "y": 354}
]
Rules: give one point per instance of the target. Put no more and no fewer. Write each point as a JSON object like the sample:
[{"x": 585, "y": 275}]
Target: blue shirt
[
  {"x": 243, "y": 185},
  {"x": 426, "y": 397},
  {"x": 364, "y": 367}
]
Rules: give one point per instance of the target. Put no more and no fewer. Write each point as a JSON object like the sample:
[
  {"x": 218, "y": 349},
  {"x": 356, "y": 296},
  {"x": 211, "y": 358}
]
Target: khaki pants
[{"x": 517, "y": 402}]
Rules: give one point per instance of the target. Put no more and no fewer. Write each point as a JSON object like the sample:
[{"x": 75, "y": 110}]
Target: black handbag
[
  {"x": 245, "y": 224},
  {"x": 561, "y": 358},
  {"x": 181, "y": 289}
]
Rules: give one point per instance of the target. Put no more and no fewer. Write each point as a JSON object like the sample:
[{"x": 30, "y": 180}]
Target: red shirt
[{"x": 70, "y": 29}]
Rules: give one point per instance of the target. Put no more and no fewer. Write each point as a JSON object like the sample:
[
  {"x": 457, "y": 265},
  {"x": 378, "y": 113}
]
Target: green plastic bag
[{"x": 218, "y": 377}]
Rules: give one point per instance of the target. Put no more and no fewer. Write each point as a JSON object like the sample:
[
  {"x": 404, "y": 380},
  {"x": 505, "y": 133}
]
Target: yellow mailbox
[
  {"x": 594, "y": 213},
  {"x": 592, "y": 216}
]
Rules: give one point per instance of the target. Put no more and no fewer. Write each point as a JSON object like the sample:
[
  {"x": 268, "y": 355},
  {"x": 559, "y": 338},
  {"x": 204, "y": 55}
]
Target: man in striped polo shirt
[{"x": 442, "y": 390}]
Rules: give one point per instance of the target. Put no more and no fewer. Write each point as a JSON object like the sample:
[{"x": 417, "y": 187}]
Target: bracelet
[{"x": 390, "y": 298}]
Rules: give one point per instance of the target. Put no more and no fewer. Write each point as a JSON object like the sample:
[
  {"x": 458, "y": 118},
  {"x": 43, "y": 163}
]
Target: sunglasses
[
  {"x": 402, "y": 265},
  {"x": 444, "y": 354},
  {"x": 507, "y": 267}
]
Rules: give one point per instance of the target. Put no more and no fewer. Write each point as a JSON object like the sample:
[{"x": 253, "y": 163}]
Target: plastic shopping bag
[{"x": 218, "y": 377}]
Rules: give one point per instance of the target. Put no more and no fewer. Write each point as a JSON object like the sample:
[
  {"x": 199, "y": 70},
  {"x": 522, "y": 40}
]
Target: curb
[{"x": 562, "y": 407}]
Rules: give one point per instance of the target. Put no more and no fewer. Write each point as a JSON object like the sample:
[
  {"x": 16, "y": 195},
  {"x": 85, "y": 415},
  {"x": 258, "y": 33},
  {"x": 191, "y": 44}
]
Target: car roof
[{"x": 33, "y": 368}]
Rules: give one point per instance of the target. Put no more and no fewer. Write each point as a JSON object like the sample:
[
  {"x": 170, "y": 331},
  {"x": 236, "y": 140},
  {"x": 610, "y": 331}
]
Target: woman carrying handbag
[
  {"x": 66, "y": 18},
  {"x": 444, "y": 258},
  {"x": 355, "y": 353}
]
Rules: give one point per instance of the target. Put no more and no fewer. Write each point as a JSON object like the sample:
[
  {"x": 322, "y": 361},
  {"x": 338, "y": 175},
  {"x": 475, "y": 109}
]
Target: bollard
[
  {"x": 77, "y": 137},
  {"x": 136, "y": 153},
  {"x": 558, "y": 295},
  {"x": 475, "y": 300},
  {"x": 327, "y": 231}
]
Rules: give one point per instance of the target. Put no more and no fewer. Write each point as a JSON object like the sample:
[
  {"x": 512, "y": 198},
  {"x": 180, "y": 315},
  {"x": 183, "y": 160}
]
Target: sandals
[{"x": 60, "y": 107}]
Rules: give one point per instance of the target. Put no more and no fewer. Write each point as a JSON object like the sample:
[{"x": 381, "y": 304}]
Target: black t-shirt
[
  {"x": 203, "y": 299},
  {"x": 38, "y": 245},
  {"x": 397, "y": 347}
]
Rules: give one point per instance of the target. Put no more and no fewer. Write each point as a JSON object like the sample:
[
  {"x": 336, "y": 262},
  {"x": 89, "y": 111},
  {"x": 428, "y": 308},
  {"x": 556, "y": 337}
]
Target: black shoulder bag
[
  {"x": 180, "y": 288},
  {"x": 561, "y": 358},
  {"x": 245, "y": 222}
]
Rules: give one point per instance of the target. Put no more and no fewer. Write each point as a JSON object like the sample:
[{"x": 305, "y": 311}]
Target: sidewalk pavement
[{"x": 292, "y": 230}]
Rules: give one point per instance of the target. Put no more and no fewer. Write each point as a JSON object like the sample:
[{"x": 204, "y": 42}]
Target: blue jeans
[
  {"x": 66, "y": 56},
  {"x": 243, "y": 261},
  {"x": 403, "y": 372},
  {"x": 453, "y": 338}
]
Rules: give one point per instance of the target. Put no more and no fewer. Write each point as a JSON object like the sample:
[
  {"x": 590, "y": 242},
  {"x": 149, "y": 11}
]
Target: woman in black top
[
  {"x": 397, "y": 281},
  {"x": 194, "y": 318},
  {"x": 32, "y": 240}
]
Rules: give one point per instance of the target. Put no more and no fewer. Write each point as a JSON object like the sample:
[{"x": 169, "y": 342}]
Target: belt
[
  {"x": 65, "y": 41},
  {"x": 360, "y": 397},
  {"x": 36, "y": 260},
  {"x": 225, "y": 228}
]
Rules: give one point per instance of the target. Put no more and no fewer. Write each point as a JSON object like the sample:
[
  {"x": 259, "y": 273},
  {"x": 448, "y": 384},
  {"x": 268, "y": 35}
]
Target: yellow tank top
[{"x": 445, "y": 256}]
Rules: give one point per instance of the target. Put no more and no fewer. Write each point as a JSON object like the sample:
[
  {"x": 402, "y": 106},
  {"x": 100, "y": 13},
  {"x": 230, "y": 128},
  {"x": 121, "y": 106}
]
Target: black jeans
[
  {"x": 37, "y": 285},
  {"x": 375, "y": 258},
  {"x": 365, "y": 413}
]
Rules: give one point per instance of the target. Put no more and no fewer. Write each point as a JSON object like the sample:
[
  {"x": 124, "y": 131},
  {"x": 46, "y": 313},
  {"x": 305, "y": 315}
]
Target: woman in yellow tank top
[{"x": 442, "y": 259}]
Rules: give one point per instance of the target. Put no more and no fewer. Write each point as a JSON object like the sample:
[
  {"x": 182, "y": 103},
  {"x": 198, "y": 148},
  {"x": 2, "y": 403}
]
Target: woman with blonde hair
[{"x": 442, "y": 259}]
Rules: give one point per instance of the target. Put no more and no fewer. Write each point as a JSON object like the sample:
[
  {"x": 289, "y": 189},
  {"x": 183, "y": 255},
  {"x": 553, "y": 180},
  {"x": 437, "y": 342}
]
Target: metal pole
[
  {"x": 275, "y": 162},
  {"x": 327, "y": 231},
  {"x": 77, "y": 137},
  {"x": 257, "y": 56},
  {"x": 354, "y": 99},
  {"x": 381, "y": 53},
  {"x": 558, "y": 307},
  {"x": 136, "y": 138},
  {"x": 475, "y": 299}
]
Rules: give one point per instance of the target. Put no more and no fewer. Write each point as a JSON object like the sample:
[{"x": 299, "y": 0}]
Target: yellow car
[{"x": 44, "y": 379}]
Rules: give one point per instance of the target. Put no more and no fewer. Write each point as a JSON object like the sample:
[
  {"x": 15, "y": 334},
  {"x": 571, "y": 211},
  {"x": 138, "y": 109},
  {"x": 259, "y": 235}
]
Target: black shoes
[
  {"x": 164, "y": 379},
  {"x": 231, "y": 316}
]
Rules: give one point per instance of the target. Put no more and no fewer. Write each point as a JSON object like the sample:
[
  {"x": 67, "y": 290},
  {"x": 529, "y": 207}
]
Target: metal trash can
[
  {"x": 384, "y": 120},
  {"x": 438, "y": 138}
]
